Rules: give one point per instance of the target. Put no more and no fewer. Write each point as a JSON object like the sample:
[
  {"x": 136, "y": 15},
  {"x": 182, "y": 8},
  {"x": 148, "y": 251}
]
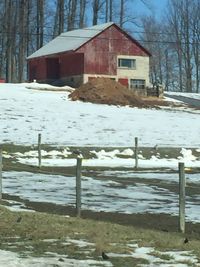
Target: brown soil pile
[{"x": 106, "y": 91}]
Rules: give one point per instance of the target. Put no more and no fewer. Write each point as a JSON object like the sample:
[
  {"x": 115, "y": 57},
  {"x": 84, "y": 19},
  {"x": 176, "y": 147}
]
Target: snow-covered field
[
  {"x": 189, "y": 95},
  {"x": 27, "y": 112}
]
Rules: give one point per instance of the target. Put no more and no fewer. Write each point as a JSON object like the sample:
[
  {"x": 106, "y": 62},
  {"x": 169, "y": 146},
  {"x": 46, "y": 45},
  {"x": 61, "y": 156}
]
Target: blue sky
[
  {"x": 157, "y": 7},
  {"x": 139, "y": 9}
]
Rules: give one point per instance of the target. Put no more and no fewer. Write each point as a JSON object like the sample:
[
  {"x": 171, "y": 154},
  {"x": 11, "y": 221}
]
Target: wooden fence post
[
  {"x": 78, "y": 186},
  {"x": 181, "y": 197},
  {"x": 1, "y": 167},
  {"x": 136, "y": 152},
  {"x": 39, "y": 150}
]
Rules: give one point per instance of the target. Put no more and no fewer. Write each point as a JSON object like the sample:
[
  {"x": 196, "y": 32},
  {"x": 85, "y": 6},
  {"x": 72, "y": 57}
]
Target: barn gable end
[{"x": 103, "y": 50}]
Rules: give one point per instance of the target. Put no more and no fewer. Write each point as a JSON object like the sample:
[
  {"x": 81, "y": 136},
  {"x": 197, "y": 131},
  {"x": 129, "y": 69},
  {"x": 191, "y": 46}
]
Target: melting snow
[
  {"x": 176, "y": 258},
  {"x": 26, "y": 112},
  {"x": 104, "y": 195}
]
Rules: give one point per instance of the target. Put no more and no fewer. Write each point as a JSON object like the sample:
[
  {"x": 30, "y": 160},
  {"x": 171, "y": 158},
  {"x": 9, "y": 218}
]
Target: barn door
[
  {"x": 123, "y": 81},
  {"x": 53, "y": 68}
]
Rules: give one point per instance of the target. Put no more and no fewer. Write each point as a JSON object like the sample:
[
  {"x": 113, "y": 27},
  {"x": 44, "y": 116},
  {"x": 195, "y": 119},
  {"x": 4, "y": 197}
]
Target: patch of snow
[
  {"x": 40, "y": 86},
  {"x": 105, "y": 161},
  {"x": 104, "y": 155},
  {"x": 12, "y": 259},
  {"x": 176, "y": 258},
  {"x": 147, "y": 253},
  {"x": 187, "y": 154},
  {"x": 78, "y": 243}
]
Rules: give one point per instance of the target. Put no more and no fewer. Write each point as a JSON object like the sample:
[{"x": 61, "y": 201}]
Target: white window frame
[
  {"x": 124, "y": 66},
  {"x": 137, "y": 83}
]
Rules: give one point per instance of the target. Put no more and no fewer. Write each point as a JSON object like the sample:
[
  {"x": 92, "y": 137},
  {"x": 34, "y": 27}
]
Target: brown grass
[{"x": 35, "y": 227}]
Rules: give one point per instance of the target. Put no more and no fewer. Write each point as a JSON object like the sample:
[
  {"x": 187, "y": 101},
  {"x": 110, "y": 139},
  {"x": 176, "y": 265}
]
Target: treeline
[
  {"x": 26, "y": 25},
  {"x": 175, "y": 45},
  {"x": 174, "y": 41}
]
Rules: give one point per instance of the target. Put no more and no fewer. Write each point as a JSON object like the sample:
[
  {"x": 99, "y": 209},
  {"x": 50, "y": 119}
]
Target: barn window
[
  {"x": 138, "y": 84},
  {"x": 127, "y": 63}
]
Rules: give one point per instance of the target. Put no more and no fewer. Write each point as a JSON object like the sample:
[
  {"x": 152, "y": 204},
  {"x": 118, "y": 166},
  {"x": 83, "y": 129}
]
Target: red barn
[{"x": 104, "y": 50}]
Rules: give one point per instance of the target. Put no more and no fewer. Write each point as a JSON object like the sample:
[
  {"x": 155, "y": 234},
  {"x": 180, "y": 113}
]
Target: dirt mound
[{"x": 106, "y": 91}]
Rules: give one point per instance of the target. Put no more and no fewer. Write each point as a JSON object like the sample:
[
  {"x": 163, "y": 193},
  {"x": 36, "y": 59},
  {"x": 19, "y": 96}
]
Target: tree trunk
[
  {"x": 72, "y": 8},
  {"x": 8, "y": 13},
  {"x": 40, "y": 23},
  {"x": 23, "y": 13},
  {"x": 82, "y": 13},
  {"x": 95, "y": 12},
  {"x": 111, "y": 10},
  {"x": 121, "y": 14},
  {"x": 61, "y": 16},
  {"x": 106, "y": 11}
]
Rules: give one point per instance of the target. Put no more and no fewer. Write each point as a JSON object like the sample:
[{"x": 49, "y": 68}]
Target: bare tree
[
  {"x": 106, "y": 10},
  {"x": 71, "y": 14},
  {"x": 61, "y": 16},
  {"x": 196, "y": 43},
  {"x": 180, "y": 14},
  {"x": 151, "y": 34},
  {"x": 82, "y": 8},
  {"x": 23, "y": 14},
  {"x": 8, "y": 19},
  {"x": 176, "y": 27},
  {"x": 111, "y": 10},
  {"x": 2, "y": 39},
  {"x": 40, "y": 23},
  {"x": 187, "y": 44},
  {"x": 122, "y": 2},
  {"x": 97, "y": 6}
]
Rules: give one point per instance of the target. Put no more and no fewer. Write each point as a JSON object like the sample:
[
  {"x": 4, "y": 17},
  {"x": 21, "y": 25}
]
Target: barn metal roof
[{"x": 70, "y": 41}]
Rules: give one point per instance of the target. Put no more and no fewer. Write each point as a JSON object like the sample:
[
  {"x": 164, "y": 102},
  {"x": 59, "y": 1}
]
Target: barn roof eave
[{"x": 50, "y": 55}]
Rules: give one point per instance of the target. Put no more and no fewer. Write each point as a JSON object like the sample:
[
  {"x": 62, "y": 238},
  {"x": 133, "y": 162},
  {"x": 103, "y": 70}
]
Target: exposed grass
[
  {"x": 28, "y": 235},
  {"x": 37, "y": 233},
  {"x": 147, "y": 152}
]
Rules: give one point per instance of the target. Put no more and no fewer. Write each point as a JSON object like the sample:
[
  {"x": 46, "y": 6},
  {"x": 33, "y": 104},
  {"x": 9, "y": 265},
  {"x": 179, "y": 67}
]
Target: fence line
[
  {"x": 181, "y": 168},
  {"x": 136, "y": 153},
  {"x": 181, "y": 197},
  {"x": 78, "y": 186},
  {"x": 39, "y": 151},
  {"x": 1, "y": 167}
]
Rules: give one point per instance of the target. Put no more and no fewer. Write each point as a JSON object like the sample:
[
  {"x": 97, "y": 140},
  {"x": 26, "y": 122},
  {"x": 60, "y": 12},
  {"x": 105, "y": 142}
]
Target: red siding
[
  {"x": 101, "y": 52},
  {"x": 123, "y": 82},
  {"x": 53, "y": 68},
  {"x": 97, "y": 56},
  {"x": 60, "y": 66},
  {"x": 71, "y": 64},
  {"x": 37, "y": 69}
]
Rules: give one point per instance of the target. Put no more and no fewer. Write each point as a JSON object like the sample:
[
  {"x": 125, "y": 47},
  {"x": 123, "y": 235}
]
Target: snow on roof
[{"x": 70, "y": 40}]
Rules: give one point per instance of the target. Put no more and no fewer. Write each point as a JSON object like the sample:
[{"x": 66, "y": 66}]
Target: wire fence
[{"x": 78, "y": 173}]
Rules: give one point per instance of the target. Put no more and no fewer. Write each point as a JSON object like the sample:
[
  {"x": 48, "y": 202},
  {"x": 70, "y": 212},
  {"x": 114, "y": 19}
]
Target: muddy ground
[{"x": 163, "y": 222}]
